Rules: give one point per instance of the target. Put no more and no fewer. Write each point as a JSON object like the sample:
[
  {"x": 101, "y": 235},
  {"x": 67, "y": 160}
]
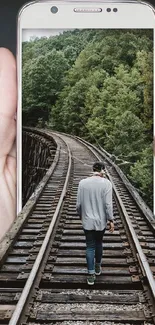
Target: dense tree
[
  {"x": 141, "y": 174},
  {"x": 42, "y": 80},
  {"x": 144, "y": 65},
  {"x": 127, "y": 137},
  {"x": 97, "y": 84}
]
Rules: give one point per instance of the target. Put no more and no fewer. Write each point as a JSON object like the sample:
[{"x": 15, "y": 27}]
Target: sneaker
[
  {"x": 98, "y": 269},
  {"x": 91, "y": 279}
]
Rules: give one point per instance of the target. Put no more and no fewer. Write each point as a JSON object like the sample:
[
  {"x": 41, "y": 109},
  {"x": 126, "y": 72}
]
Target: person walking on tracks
[{"x": 94, "y": 206}]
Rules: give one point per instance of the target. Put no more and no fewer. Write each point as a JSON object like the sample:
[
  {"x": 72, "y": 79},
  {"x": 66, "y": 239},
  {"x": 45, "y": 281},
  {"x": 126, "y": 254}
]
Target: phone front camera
[
  {"x": 108, "y": 9},
  {"x": 54, "y": 10}
]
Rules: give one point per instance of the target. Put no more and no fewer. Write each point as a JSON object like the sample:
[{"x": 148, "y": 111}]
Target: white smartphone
[{"x": 86, "y": 68}]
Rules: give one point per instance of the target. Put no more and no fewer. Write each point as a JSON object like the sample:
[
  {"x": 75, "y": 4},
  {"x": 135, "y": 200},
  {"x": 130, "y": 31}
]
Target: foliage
[
  {"x": 97, "y": 84},
  {"x": 141, "y": 175},
  {"x": 42, "y": 81}
]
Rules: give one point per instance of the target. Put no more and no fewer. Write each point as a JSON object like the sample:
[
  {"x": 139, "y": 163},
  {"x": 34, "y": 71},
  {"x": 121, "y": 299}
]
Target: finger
[
  {"x": 8, "y": 87},
  {"x": 8, "y": 101}
]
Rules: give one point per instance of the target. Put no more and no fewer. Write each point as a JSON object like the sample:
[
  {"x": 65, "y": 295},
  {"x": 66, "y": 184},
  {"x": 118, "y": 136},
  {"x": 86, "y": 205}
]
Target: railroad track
[{"x": 44, "y": 253}]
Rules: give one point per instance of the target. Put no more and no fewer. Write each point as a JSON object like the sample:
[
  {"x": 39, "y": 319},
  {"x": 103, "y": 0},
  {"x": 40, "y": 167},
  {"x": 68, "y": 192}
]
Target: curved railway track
[{"x": 44, "y": 252}]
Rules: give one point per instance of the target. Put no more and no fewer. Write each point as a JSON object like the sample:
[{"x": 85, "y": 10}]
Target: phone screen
[
  {"x": 96, "y": 84},
  {"x": 87, "y": 127}
]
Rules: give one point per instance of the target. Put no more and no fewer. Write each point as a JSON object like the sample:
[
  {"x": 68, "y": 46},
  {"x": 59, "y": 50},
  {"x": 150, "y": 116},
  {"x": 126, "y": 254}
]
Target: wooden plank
[
  {"x": 81, "y": 252},
  {"x": 42, "y": 210},
  {"x": 81, "y": 232},
  {"x": 8, "y": 276},
  {"x": 6, "y": 314},
  {"x": 42, "y": 213},
  {"x": 11, "y": 268},
  {"x": 16, "y": 259},
  {"x": 145, "y": 228},
  {"x": 7, "y": 297},
  {"x": 56, "y": 291},
  {"x": 42, "y": 205},
  {"x": 12, "y": 277},
  {"x": 30, "y": 231},
  {"x": 33, "y": 225},
  {"x": 147, "y": 233},
  {"x": 69, "y": 279},
  {"x": 74, "y": 270},
  {"x": 36, "y": 220},
  {"x": 7, "y": 307},
  {"x": 23, "y": 244},
  {"x": 105, "y": 261},
  {"x": 38, "y": 216},
  {"x": 150, "y": 253},
  {"x": 19, "y": 252},
  {"x": 76, "y": 313},
  {"x": 31, "y": 237},
  {"x": 49, "y": 297},
  {"x": 149, "y": 239},
  {"x": 83, "y": 245},
  {"x": 148, "y": 245},
  {"x": 106, "y": 239},
  {"x": 16, "y": 290},
  {"x": 73, "y": 223},
  {"x": 76, "y": 252}
]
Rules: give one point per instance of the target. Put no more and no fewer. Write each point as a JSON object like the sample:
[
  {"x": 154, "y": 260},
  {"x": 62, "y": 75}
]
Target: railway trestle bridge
[{"x": 42, "y": 257}]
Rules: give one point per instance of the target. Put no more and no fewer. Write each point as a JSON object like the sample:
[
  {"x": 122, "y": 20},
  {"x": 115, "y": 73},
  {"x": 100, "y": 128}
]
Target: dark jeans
[{"x": 93, "y": 248}]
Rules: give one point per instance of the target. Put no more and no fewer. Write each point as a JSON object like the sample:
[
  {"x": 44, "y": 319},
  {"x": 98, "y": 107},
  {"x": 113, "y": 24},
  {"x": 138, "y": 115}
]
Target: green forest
[{"x": 97, "y": 84}]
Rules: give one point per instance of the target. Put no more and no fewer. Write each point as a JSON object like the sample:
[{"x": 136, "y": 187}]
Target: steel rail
[
  {"x": 144, "y": 265},
  {"x": 141, "y": 256},
  {"x": 26, "y": 290}
]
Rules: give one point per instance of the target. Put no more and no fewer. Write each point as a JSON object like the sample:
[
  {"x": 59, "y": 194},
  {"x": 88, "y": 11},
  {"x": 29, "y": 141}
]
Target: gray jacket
[{"x": 94, "y": 202}]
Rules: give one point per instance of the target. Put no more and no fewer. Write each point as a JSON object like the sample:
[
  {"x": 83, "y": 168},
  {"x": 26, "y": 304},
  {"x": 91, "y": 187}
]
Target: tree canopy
[{"x": 97, "y": 84}]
